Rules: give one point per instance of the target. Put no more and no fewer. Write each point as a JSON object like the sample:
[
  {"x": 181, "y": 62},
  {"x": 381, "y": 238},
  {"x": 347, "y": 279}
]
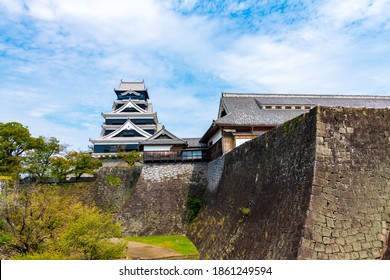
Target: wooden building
[
  {"x": 165, "y": 146},
  {"x": 242, "y": 117}
]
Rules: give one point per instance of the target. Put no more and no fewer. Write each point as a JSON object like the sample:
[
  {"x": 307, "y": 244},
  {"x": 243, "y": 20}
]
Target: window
[{"x": 192, "y": 154}]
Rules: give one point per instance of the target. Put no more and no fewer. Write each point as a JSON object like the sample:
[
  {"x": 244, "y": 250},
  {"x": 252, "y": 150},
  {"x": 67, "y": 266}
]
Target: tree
[
  {"x": 88, "y": 236},
  {"x": 37, "y": 161},
  {"x": 60, "y": 167},
  {"x": 130, "y": 157},
  {"x": 46, "y": 223},
  {"x": 15, "y": 139},
  {"x": 33, "y": 216},
  {"x": 82, "y": 163}
]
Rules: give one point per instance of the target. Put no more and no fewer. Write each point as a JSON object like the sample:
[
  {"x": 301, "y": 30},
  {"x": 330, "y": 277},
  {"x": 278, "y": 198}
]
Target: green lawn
[{"x": 178, "y": 243}]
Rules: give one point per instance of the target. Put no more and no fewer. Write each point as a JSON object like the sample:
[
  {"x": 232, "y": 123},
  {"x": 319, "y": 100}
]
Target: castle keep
[{"x": 130, "y": 121}]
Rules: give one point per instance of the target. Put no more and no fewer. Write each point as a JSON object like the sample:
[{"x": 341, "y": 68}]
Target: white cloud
[{"x": 342, "y": 13}]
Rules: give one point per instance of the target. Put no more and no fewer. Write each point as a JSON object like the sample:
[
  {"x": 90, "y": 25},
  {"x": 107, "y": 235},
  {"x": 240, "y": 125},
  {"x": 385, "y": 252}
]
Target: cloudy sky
[{"x": 60, "y": 60}]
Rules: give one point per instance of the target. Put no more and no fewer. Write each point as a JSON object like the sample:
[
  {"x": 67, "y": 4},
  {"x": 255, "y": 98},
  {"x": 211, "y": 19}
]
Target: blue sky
[{"x": 60, "y": 60}]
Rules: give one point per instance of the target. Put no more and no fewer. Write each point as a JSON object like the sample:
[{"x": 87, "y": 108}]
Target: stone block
[
  {"x": 344, "y": 256},
  {"x": 317, "y": 237},
  {"x": 319, "y": 247},
  {"x": 355, "y": 255},
  {"x": 324, "y": 151},
  {"x": 335, "y": 248},
  {"x": 363, "y": 255},
  {"x": 348, "y": 248},
  {"x": 366, "y": 245},
  {"x": 350, "y": 130},
  {"x": 334, "y": 257},
  {"x": 326, "y": 232},
  {"x": 350, "y": 239},
  {"x": 320, "y": 140},
  {"x": 377, "y": 244},
  {"x": 318, "y": 217},
  {"x": 361, "y": 236},
  {"x": 340, "y": 241},
  {"x": 377, "y": 253},
  {"x": 335, "y": 233},
  {"x": 306, "y": 254},
  {"x": 347, "y": 224},
  {"x": 306, "y": 243},
  {"x": 322, "y": 256},
  {"x": 329, "y": 222},
  {"x": 357, "y": 246},
  {"x": 326, "y": 240}
]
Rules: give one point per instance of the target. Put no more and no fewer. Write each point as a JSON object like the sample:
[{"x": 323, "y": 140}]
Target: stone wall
[
  {"x": 114, "y": 184},
  {"x": 259, "y": 208},
  {"x": 157, "y": 205},
  {"x": 317, "y": 187},
  {"x": 349, "y": 212},
  {"x": 214, "y": 174}
]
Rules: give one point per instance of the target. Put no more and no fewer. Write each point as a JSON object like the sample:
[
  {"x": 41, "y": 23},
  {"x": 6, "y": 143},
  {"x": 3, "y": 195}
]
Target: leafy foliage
[
  {"x": 37, "y": 161},
  {"x": 193, "y": 207},
  {"x": 244, "y": 210},
  {"x": 82, "y": 163},
  {"x": 15, "y": 139},
  {"x": 39, "y": 157},
  {"x": 76, "y": 163},
  {"x": 88, "y": 235},
  {"x": 44, "y": 222},
  {"x": 130, "y": 157},
  {"x": 114, "y": 181}
]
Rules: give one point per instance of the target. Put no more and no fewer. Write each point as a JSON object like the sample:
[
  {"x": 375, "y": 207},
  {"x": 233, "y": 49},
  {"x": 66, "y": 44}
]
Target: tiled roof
[
  {"x": 322, "y": 100},
  {"x": 192, "y": 142},
  {"x": 131, "y": 85},
  {"x": 249, "y": 109},
  {"x": 259, "y": 117},
  {"x": 157, "y": 140}
]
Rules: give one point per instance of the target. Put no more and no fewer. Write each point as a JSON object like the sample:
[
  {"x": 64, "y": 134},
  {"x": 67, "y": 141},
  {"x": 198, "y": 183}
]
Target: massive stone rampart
[
  {"x": 349, "y": 211},
  {"x": 316, "y": 187},
  {"x": 158, "y": 203},
  {"x": 260, "y": 206}
]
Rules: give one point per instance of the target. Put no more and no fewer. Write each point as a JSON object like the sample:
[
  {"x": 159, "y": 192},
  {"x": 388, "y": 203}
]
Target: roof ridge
[{"x": 255, "y": 95}]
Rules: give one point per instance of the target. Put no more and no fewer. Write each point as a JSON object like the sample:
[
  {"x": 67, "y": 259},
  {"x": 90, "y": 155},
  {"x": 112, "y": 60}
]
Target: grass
[{"x": 178, "y": 243}]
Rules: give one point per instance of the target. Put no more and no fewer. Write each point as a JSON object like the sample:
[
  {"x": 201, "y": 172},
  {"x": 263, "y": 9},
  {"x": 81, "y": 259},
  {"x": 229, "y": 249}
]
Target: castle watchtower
[{"x": 130, "y": 121}]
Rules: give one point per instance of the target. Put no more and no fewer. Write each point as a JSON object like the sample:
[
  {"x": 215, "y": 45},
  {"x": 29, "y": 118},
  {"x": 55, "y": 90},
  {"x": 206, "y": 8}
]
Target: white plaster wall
[
  {"x": 216, "y": 137},
  {"x": 157, "y": 148},
  {"x": 240, "y": 141}
]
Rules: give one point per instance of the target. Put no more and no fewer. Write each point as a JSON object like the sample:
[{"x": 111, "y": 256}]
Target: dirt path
[{"x": 142, "y": 251}]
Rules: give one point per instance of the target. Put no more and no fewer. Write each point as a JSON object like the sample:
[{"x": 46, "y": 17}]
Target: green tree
[
  {"x": 37, "y": 161},
  {"x": 81, "y": 163},
  {"x": 33, "y": 216},
  {"x": 15, "y": 140},
  {"x": 60, "y": 167},
  {"x": 88, "y": 236},
  {"x": 76, "y": 163},
  {"x": 130, "y": 157},
  {"x": 44, "y": 223}
]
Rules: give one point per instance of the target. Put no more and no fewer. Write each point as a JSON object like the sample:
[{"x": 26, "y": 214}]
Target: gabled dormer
[{"x": 163, "y": 140}]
